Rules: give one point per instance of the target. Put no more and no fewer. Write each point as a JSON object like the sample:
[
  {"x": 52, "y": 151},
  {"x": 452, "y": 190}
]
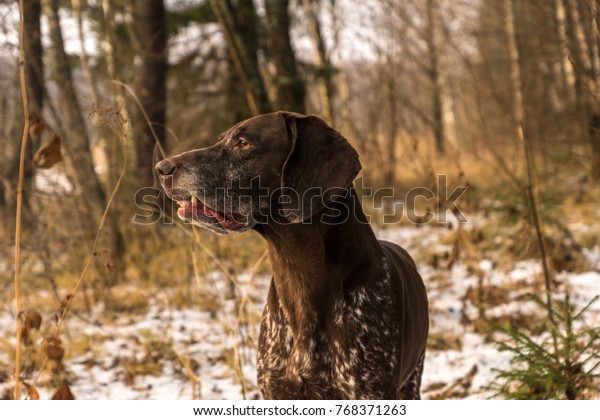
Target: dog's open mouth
[{"x": 192, "y": 209}]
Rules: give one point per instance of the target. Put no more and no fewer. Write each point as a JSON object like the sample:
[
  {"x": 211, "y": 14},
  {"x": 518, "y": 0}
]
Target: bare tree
[
  {"x": 414, "y": 45},
  {"x": 443, "y": 115},
  {"x": 584, "y": 50},
  {"x": 288, "y": 83},
  {"x": 518, "y": 122},
  {"x": 324, "y": 69},
  {"x": 34, "y": 75},
  {"x": 240, "y": 25},
  {"x": 566, "y": 65},
  {"x": 345, "y": 120},
  {"x": 79, "y": 158},
  {"x": 34, "y": 65},
  {"x": 150, "y": 28}
]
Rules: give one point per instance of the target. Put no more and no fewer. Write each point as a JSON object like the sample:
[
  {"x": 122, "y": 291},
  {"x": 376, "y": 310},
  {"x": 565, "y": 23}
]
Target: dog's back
[{"x": 411, "y": 300}]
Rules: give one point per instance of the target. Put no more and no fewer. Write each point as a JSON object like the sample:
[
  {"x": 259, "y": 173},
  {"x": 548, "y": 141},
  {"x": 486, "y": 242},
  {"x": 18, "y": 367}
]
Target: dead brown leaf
[
  {"x": 459, "y": 389},
  {"x": 52, "y": 347},
  {"x": 29, "y": 320},
  {"x": 33, "y": 319},
  {"x": 24, "y": 333},
  {"x": 63, "y": 392},
  {"x": 31, "y": 391},
  {"x": 49, "y": 154},
  {"x": 36, "y": 127}
]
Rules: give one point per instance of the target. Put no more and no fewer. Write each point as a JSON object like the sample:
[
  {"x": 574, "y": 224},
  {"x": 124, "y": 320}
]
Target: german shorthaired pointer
[{"x": 346, "y": 315}]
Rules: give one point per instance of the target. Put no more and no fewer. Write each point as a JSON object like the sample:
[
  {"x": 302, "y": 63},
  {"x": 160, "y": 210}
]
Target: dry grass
[{"x": 175, "y": 264}]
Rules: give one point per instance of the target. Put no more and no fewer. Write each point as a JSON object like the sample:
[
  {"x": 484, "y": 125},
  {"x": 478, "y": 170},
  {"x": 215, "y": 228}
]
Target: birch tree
[
  {"x": 323, "y": 66},
  {"x": 91, "y": 196},
  {"x": 239, "y": 24},
  {"x": 584, "y": 38},
  {"x": 443, "y": 113}
]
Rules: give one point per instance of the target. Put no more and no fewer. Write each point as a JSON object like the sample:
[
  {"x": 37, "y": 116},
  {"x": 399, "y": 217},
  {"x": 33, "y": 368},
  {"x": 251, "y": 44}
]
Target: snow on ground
[{"x": 139, "y": 356}]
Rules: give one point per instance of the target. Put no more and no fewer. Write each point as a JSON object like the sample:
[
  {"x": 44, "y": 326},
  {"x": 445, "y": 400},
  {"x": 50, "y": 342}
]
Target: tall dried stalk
[
  {"x": 95, "y": 244},
  {"x": 229, "y": 326},
  {"x": 92, "y": 253},
  {"x": 20, "y": 197},
  {"x": 144, "y": 114},
  {"x": 518, "y": 121}
]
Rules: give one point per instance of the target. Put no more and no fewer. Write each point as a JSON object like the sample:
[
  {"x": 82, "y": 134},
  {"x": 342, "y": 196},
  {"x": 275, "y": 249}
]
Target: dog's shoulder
[
  {"x": 397, "y": 254},
  {"x": 401, "y": 266}
]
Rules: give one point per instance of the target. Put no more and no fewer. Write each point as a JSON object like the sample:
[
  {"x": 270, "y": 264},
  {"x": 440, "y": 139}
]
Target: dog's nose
[{"x": 165, "y": 167}]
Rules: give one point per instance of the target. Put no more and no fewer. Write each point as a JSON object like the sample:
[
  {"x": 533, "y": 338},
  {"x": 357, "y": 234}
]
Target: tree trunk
[
  {"x": 34, "y": 78},
  {"x": 518, "y": 109},
  {"x": 345, "y": 121},
  {"x": 443, "y": 115},
  {"x": 240, "y": 25},
  {"x": 77, "y": 146},
  {"x": 566, "y": 66},
  {"x": 594, "y": 106},
  {"x": 289, "y": 85},
  {"x": 589, "y": 81},
  {"x": 150, "y": 28},
  {"x": 324, "y": 69},
  {"x": 391, "y": 138},
  {"x": 34, "y": 65}
]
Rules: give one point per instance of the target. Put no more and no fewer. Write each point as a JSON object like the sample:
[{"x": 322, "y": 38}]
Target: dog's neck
[{"x": 314, "y": 263}]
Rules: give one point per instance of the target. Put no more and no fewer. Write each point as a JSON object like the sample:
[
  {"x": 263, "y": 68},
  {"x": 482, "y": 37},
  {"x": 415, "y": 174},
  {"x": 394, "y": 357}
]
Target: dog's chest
[{"x": 355, "y": 357}]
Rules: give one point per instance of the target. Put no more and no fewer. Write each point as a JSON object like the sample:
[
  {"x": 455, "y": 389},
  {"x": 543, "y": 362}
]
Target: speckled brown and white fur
[
  {"x": 346, "y": 315},
  {"x": 365, "y": 339}
]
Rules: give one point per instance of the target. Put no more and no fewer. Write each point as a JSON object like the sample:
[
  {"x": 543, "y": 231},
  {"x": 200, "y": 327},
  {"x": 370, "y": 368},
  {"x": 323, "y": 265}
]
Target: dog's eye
[{"x": 244, "y": 144}]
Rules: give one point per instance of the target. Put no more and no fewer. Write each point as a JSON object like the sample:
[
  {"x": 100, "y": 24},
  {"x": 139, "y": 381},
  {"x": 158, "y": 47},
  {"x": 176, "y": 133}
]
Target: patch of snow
[
  {"x": 53, "y": 181},
  {"x": 585, "y": 287},
  {"x": 486, "y": 265},
  {"x": 209, "y": 338},
  {"x": 592, "y": 256},
  {"x": 525, "y": 270}
]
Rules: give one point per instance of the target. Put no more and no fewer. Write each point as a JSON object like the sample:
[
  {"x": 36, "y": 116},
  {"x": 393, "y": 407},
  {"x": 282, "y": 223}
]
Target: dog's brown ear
[{"x": 320, "y": 165}]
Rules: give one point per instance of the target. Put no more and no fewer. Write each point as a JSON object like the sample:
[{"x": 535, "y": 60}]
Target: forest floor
[{"x": 163, "y": 350}]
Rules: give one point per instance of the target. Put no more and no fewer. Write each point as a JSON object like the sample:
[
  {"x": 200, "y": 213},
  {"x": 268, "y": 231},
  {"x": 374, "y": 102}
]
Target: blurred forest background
[{"x": 479, "y": 90}]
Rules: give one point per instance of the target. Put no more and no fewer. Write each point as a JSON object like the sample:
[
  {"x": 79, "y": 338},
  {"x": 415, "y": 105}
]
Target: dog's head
[{"x": 274, "y": 168}]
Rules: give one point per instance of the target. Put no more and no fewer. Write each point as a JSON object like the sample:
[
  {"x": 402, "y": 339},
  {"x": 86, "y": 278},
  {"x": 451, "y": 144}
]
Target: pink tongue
[{"x": 214, "y": 214}]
